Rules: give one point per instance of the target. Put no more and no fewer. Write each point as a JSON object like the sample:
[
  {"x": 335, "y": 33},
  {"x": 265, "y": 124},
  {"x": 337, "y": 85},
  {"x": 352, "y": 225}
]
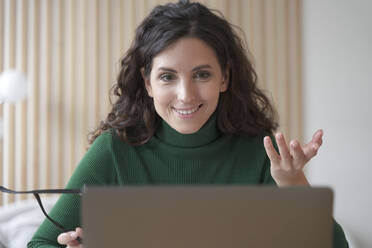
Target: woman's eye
[
  {"x": 166, "y": 77},
  {"x": 203, "y": 75}
]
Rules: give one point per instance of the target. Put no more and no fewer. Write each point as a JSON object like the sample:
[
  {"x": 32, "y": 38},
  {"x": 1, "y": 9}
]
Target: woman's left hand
[{"x": 287, "y": 167}]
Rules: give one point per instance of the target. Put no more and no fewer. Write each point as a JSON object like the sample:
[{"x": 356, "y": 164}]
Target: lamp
[{"x": 13, "y": 88}]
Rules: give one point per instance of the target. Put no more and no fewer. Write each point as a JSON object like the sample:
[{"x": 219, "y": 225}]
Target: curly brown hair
[{"x": 243, "y": 109}]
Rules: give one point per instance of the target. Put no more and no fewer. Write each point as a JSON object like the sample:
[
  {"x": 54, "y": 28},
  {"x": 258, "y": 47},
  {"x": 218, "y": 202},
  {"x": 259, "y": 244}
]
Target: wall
[
  {"x": 337, "y": 97},
  {"x": 70, "y": 50}
]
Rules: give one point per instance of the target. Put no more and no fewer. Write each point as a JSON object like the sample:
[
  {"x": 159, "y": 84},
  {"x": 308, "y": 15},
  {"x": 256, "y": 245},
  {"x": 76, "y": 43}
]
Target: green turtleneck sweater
[{"x": 205, "y": 157}]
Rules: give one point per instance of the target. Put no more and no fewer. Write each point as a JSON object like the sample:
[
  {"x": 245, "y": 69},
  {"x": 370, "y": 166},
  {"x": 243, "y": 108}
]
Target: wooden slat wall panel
[
  {"x": 295, "y": 106},
  {"x": 44, "y": 99},
  {"x": 56, "y": 97},
  {"x": 33, "y": 73},
  {"x": 70, "y": 51},
  {"x": 281, "y": 64},
  {"x": 69, "y": 83},
  {"x": 92, "y": 65},
  {"x": 21, "y": 114},
  {"x": 8, "y": 109},
  {"x": 81, "y": 80}
]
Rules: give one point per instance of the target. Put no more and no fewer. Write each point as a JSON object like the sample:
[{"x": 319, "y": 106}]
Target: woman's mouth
[{"x": 187, "y": 113}]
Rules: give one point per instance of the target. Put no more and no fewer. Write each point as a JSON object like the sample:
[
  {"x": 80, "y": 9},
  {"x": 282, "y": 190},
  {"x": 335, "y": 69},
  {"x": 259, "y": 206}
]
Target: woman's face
[{"x": 185, "y": 83}]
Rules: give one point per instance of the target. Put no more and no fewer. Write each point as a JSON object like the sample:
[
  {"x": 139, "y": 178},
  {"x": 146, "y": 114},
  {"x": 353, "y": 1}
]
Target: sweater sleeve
[
  {"x": 96, "y": 167},
  {"x": 339, "y": 239}
]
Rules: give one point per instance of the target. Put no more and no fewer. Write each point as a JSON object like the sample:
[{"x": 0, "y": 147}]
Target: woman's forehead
[{"x": 186, "y": 53}]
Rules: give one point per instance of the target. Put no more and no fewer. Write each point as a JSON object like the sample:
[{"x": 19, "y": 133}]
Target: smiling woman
[
  {"x": 159, "y": 72},
  {"x": 187, "y": 111}
]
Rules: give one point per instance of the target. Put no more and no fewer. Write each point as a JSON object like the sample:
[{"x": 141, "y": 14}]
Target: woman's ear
[
  {"x": 225, "y": 80},
  {"x": 147, "y": 82}
]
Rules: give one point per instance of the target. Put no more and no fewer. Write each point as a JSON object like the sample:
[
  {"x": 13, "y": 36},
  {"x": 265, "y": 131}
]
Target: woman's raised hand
[
  {"x": 287, "y": 166},
  {"x": 69, "y": 238}
]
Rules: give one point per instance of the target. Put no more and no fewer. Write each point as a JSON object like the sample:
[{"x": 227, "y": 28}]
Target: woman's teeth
[{"x": 187, "y": 112}]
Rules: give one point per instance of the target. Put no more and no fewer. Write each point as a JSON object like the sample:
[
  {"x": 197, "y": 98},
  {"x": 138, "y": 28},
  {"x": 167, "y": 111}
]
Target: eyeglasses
[{"x": 46, "y": 191}]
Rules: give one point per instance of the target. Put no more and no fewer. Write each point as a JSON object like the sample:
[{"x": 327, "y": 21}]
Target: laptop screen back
[{"x": 207, "y": 216}]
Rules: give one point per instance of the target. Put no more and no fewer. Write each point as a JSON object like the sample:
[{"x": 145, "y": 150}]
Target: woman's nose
[{"x": 186, "y": 91}]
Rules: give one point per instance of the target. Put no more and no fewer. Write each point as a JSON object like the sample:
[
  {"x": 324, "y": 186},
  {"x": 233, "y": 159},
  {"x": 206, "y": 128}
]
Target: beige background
[{"x": 70, "y": 52}]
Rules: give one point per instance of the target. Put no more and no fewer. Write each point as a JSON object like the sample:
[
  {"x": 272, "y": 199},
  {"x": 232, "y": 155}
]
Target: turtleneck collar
[{"x": 205, "y": 135}]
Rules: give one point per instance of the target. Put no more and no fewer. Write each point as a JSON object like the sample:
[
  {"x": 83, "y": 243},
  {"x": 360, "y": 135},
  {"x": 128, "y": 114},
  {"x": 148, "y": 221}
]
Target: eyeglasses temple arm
[
  {"x": 46, "y": 215},
  {"x": 42, "y": 191},
  {"x": 46, "y": 191}
]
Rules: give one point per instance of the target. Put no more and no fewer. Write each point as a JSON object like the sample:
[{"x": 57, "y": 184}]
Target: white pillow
[{"x": 19, "y": 221}]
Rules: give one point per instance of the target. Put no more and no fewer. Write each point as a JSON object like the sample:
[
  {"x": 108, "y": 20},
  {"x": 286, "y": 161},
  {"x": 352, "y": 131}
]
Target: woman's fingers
[
  {"x": 69, "y": 238},
  {"x": 287, "y": 166},
  {"x": 271, "y": 152},
  {"x": 79, "y": 232},
  {"x": 318, "y": 137},
  {"x": 64, "y": 238},
  {"x": 311, "y": 149},
  {"x": 299, "y": 158},
  {"x": 284, "y": 152}
]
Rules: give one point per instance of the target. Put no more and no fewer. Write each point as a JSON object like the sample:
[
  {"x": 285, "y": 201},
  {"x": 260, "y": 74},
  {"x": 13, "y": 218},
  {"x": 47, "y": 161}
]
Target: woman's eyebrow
[
  {"x": 202, "y": 67},
  {"x": 166, "y": 69},
  {"x": 206, "y": 66}
]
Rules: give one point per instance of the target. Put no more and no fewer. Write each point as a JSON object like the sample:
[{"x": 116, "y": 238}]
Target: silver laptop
[{"x": 207, "y": 217}]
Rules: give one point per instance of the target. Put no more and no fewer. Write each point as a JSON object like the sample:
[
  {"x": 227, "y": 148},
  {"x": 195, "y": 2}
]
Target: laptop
[{"x": 207, "y": 217}]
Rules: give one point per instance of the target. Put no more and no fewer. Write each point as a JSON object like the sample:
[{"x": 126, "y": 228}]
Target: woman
[{"x": 188, "y": 111}]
